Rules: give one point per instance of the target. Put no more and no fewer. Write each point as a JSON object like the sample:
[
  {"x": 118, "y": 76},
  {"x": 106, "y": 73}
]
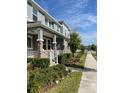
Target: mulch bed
[{"x": 72, "y": 61}]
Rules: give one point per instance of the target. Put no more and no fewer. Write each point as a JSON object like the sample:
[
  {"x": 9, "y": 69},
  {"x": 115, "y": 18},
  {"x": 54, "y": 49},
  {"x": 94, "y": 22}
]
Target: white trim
[
  {"x": 54, "y": 42},
  {"x": 40, "y": 40},
  {"x": 47, "y": 43},
  {"x": 36, "y": 5}
]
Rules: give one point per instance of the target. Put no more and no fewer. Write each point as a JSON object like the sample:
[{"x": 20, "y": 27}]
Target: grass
[
  {"x": 82, "y": 60},
  {"x": 69, "y": 85},
  {"x": 94, "y": 55}
]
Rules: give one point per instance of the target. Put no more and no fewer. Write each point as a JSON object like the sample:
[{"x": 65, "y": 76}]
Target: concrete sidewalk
[{"x": 88, "y": 82}]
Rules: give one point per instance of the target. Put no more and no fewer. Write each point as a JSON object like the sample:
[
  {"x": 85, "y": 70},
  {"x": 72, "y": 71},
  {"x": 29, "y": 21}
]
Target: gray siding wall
[
  {"x": 65, "y": 31},
  {"x": 29, "y": 12},
  {"x": 55, "y": 27},
  {"x": 41, "y": 18}
]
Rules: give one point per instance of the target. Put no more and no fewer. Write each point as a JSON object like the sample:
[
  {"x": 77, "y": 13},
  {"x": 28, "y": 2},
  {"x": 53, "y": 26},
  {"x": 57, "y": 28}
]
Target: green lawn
[
  {"x": 69, "y": 85},
  {"x": 82, "y": 60}
]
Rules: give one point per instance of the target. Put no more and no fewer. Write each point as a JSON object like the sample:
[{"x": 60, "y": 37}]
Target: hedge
[
  {"x": 29, "y": 60},
  {"x": 39, "y": 62},
  {"x": 46, "y": 77},
  {"x": 63, "y": 57}
]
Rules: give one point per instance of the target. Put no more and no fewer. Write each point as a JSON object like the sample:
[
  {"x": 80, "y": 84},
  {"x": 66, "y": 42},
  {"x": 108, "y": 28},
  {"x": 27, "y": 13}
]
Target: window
[
  {"x": 53, "y": 25},
  {"x": 46, "y": 21},
  {"x": 44, "y": 44},
  {"x": 50, "y": 24},
  {"x": 34, "y": 18},
  {"x": 61, "y": 30},
  {"x": 34, "y": 14},
  {"x": 58, "y": 28},
  {"x": 49, "y": 44},
  {"x": 30, "y": 42},
  {"x": 34, "y": 11}
]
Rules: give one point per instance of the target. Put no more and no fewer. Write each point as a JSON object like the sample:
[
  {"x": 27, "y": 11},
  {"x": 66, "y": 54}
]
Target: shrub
[
  {"x": 30, "y": 60},
  {"x": 39, "y": 62},
  {"x": 68, "y": 55},
  {"x": 63, "y": 57},
  {"x": 78, "y": 55},
  {"x": 47, "y": 76}
]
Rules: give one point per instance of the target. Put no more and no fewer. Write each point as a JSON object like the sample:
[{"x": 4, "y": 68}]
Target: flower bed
[
  {"x": 62, "y": 58},
  {"x": 42, "y": 79}
]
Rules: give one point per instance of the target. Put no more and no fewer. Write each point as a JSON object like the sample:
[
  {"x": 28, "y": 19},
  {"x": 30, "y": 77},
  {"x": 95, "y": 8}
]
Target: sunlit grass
[{"x": 69, "y": 85}]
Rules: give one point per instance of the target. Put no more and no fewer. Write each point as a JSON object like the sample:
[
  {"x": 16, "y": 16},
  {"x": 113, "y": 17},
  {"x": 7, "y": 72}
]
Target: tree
[
  {"x": 82, "y": 48},
  {"x": 74, "y": 42},
  {"x": 93, "y": 47}
]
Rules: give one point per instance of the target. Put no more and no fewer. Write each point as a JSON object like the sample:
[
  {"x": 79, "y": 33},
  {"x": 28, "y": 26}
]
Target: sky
[{"x": 80, "y": 15}]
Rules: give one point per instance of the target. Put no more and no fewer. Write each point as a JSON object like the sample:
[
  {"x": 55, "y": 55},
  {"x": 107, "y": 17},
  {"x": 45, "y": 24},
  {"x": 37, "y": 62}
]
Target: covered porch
[{"x": 43, "y": 43}]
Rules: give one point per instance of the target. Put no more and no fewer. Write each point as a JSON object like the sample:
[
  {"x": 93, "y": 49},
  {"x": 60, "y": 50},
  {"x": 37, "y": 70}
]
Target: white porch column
[
  {"x": 40, "y": 42},
  {"x": 65, "y": 46},
  {"x": 55, "y": 50}
]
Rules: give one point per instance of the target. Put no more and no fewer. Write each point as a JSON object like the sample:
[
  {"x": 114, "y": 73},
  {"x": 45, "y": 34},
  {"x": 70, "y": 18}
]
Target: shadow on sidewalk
[
  {"x": 81, "y": 68},
  {"x": 86, "y": 69}
]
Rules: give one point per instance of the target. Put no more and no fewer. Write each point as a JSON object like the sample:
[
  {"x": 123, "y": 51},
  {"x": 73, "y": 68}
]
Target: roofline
[
  {"x": 44, "y": 11},
  {"x": 65, "y": 24},
  {"x": 38, "y": 24}
]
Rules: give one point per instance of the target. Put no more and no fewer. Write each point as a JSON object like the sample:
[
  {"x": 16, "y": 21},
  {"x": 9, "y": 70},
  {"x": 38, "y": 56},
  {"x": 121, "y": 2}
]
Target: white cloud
[
  {"x": 89, "y": 37},
  {"x": 92, "y": 18},
  {"x": 73, "y": 13},
  {"x": 82, "y": 20},
  {"x": 71, "y": 7}
]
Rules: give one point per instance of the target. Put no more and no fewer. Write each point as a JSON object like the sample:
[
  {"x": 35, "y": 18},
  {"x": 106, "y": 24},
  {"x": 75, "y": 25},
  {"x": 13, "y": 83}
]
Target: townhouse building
[{"x": 46, "y": 37}]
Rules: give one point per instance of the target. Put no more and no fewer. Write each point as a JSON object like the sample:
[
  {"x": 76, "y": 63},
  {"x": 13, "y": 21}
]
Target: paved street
[{"x": 88, "y": 82}]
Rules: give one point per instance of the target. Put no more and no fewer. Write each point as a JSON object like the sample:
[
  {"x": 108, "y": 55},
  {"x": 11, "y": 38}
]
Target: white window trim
[
  {"x": 47, "y": 43},
  {"x": 31, "y": 37}
]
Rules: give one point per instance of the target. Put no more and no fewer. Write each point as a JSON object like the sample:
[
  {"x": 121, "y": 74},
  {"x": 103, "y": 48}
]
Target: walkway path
[{"x": 88, "y": 82}]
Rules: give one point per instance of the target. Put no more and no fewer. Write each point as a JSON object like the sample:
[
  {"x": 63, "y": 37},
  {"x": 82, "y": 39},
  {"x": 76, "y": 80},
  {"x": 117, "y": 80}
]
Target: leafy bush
[
  {"x": 39, "y": 62},
  {"x": 29, "y": 60},
  {"x": 46, "y": 77},
  {"x": 78, "y": 55},
  {"x": 62, "y": 58},
  {"x": 68, "y": 55}
]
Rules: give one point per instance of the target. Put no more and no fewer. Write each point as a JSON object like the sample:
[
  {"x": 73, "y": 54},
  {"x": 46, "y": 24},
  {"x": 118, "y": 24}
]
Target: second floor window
[
  {"x": 34, "y": 14},
  {"x": 53, "y": 25},
  {"x": 50, "y": 24},
  {"x": 34, "y": 11},
  {"x": 61, "y": 30},
  {"x": 34, "y": 18},
  {"x": 58, "y": 28},
  {"x": 46, "y": 21}
]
